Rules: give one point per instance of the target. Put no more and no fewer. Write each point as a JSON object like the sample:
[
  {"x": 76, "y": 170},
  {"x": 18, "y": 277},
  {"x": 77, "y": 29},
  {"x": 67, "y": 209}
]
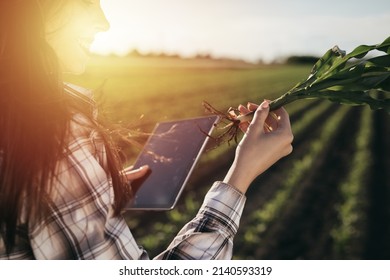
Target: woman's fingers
[
  {"x": 250, "y": 107},
  {"x": 131, "y": 174},
  {"x": 283, "y": 118},
  {"x": 259, "y": 119},
  {"x": 274, "y": 121}
]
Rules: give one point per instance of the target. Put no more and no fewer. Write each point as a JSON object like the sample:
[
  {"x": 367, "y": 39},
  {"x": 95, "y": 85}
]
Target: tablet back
[{"x": 171, "y": 153}]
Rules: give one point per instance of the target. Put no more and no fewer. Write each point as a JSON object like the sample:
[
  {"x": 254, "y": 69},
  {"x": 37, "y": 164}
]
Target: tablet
[{"x": 171, "y": 152}]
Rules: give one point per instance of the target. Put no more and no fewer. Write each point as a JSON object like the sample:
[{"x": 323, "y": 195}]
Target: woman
[{"x": 62, "y": 189}]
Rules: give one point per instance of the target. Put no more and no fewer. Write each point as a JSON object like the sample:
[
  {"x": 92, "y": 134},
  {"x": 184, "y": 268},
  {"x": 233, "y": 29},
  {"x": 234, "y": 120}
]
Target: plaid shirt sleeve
[{"x": 210, "y": 234}]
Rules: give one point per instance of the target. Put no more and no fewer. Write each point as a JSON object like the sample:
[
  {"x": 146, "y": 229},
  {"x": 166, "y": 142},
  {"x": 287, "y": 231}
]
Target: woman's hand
[{"x": 267, "y": 138}]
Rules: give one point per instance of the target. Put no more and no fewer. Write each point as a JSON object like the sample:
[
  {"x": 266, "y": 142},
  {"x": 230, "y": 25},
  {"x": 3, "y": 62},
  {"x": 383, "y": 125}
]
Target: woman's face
[{"x": 71, "y": 30}]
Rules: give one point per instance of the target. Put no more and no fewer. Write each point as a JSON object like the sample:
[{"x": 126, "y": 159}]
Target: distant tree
[
  {"x": 134, "y": 53},
  {"x": 203, "y": 56},
  {"x": 303, "y": 59},
  {"x": 260, "y": 61}
]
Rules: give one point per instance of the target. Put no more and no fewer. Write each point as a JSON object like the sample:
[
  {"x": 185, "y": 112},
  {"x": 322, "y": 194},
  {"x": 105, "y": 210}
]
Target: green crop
[{"x": 356, "y": 78}]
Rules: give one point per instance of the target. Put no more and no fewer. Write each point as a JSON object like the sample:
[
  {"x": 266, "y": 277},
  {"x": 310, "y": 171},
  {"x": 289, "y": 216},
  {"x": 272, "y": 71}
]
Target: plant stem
[
  {"x": 283, "y": 100},
  {"x": 342, "y": 97}
]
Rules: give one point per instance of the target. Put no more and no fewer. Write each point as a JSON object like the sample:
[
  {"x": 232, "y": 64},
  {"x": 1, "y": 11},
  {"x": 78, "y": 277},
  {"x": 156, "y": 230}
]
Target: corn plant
[
  {"x": 347, "y": 78},
  {"x": 356, "y": 78}
]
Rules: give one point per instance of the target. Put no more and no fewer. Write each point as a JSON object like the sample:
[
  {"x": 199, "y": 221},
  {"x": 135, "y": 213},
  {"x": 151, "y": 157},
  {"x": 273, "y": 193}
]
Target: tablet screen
[{"x": 171, "y": 152}]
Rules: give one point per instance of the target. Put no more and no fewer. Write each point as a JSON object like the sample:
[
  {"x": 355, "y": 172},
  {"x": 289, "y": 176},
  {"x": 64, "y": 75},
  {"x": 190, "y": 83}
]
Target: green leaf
[
  {"x": 384, "y": 46},
  {"x": 383, "y": 60},
  {"x": 360, "y": 51},
  {"x": 348, "y": 79},
  {"x": 325, "y": 62},
  {"x": 375, "y": 80}
]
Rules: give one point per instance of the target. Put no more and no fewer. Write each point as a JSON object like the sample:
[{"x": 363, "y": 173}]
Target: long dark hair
[{"x": 35, "y": 113}]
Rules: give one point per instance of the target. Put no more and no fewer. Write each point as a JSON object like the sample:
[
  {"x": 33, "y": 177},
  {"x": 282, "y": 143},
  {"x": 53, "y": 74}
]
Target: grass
[{"x": 163, "y": 88}]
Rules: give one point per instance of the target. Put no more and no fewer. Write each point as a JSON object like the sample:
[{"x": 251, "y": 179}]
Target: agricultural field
[{"x": 328, "y": 200}]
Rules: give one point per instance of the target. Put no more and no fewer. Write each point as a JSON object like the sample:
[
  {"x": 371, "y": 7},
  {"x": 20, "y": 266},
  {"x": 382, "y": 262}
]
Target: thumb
[
  {"x": 136, "y": 173},
  {"x": 260, "y": 117}
]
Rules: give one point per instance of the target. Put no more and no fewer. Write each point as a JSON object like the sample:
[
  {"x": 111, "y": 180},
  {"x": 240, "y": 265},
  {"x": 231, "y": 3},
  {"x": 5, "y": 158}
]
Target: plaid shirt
[{"x": 82, "y": 225}]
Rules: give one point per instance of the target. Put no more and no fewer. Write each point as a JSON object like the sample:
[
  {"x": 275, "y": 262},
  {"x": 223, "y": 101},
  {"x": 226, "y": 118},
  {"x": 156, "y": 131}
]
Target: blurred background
[{"x": 161, "y": 58}]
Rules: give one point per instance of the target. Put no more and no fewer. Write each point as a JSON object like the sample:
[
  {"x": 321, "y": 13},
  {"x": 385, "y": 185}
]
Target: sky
[{"x": 252, "y": 30}]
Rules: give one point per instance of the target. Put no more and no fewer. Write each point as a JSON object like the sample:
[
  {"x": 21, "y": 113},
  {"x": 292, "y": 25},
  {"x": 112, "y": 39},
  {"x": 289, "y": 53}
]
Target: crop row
[{"x": 351, "y": 209}]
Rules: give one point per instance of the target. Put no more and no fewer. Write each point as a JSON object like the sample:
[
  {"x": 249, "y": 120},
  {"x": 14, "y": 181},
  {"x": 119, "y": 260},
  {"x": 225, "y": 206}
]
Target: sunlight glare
[{"x": 250, "y": 30}]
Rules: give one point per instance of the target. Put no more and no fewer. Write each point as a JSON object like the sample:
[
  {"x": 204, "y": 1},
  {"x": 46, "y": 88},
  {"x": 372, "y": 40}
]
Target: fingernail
[{"x": 265, "y": 104}]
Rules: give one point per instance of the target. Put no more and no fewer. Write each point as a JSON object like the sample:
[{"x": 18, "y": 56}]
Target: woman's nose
[{"x": 101, "y": 22}]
